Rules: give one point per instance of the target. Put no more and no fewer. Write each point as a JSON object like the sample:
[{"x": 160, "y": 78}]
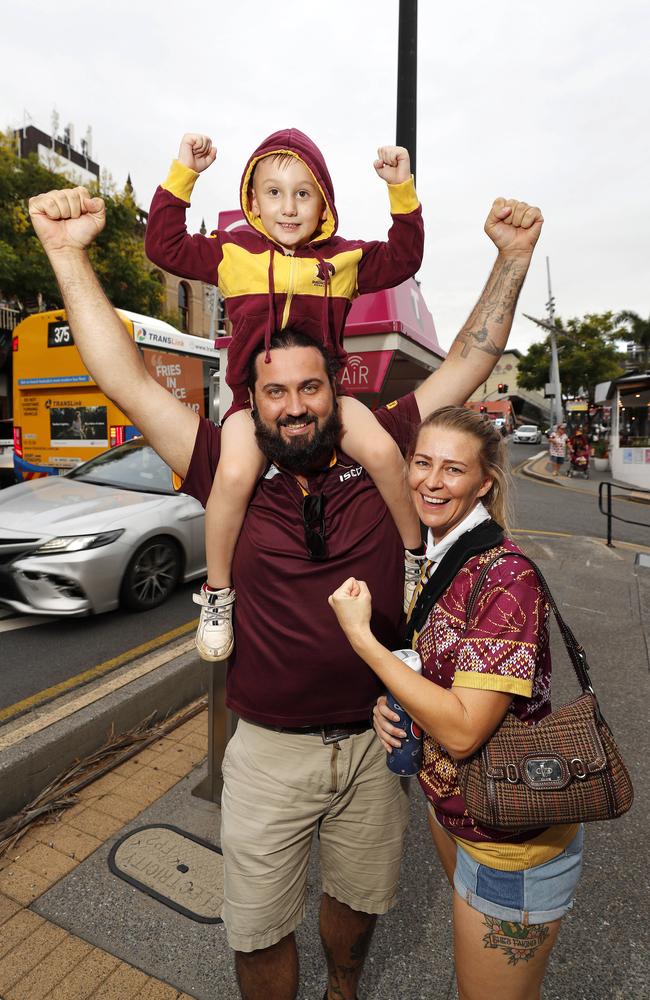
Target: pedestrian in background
[{"x": 557, "y": 448}]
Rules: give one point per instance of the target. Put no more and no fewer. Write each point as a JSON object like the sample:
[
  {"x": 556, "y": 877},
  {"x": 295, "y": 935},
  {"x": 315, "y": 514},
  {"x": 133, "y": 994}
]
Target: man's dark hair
[{"x": 282, "y": 340}]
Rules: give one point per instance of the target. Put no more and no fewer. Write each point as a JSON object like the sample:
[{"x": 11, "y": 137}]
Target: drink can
[{"x": 407, "y": 759}]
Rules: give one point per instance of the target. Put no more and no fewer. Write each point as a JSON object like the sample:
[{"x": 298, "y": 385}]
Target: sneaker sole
[{"x": 210, "y": 657}]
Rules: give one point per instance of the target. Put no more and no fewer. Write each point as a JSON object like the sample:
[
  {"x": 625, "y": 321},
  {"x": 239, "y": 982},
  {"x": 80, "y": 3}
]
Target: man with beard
[{"x": 304, "y": 758}]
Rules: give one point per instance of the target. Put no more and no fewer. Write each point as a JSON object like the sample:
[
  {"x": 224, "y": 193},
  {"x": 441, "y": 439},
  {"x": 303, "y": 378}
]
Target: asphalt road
[
  {"x": 549, "y": 507},
  {"x": 37, "y": 655}
]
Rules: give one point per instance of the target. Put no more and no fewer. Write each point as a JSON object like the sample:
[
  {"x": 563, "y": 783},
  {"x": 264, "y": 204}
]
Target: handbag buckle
[
  {"x": 512, "y": 773},
  {"x": 578, "y": 768},
  {"x": 547, "y": 771}
]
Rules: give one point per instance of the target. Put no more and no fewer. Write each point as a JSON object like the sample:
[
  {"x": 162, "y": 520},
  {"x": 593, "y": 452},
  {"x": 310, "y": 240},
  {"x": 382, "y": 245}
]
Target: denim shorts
[{"x": 532, "y": 896}]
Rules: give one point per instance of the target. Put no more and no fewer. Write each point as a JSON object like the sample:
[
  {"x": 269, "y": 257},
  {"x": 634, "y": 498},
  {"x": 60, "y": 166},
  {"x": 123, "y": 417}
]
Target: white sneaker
[
  {"x": 214, "y": 636},
  {"x": 412, "y": 573}
]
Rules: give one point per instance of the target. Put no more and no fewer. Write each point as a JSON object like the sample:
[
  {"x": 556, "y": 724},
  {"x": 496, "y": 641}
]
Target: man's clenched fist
[
  {"x": 514, "y": 226},
  {"x": 196, "y": 151},
  {"x": 67, "y": 220}
]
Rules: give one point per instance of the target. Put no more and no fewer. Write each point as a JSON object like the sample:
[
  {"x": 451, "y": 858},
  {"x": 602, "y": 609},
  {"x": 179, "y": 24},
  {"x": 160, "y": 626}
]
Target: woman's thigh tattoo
[{"x": 518, "y": 942}]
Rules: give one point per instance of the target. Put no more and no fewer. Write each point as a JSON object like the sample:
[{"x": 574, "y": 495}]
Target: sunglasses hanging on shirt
[{"x": 313, "y": 516}]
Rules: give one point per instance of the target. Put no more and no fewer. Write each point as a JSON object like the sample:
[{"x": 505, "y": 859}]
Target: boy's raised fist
[
  {"x": 196, "y": 151},
  {"x": 67, "y": 220},
  {"x": 393, "y": 164}
]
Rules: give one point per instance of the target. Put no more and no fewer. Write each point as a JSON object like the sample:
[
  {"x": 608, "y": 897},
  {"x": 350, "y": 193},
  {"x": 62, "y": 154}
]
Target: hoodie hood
[{"x": 295, "y": 143}]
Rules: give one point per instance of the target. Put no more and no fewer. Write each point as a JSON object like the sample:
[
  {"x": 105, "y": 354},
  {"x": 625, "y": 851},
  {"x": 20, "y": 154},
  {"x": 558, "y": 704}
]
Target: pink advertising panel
[{"x": 365, "y": 371}]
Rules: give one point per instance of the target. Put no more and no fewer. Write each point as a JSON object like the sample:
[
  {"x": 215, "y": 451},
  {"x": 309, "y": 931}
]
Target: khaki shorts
[{"x": 280, "y": 789}]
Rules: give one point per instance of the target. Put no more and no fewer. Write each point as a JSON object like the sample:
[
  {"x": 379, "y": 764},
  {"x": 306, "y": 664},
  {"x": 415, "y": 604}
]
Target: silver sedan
[
  {"x": 111, "y": 532},
  {"x": 527, "y": 434}
]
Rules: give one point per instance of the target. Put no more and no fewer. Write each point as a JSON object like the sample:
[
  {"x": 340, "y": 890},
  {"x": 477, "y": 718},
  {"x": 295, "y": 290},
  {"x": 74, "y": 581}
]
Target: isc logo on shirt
[{"x": 352, "y": 473}]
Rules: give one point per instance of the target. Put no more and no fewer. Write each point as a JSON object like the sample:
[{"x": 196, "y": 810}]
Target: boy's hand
[
  {"x": 393, "y": 164},
  {"x": 67, "y": 220},
  {"x": 196, "y": 152},
  {"x": 514, "y": 226}
]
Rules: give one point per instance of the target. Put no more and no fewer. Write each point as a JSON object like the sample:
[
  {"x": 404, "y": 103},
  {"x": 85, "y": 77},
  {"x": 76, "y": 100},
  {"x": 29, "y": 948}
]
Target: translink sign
[{"x": 176, "y": 341}]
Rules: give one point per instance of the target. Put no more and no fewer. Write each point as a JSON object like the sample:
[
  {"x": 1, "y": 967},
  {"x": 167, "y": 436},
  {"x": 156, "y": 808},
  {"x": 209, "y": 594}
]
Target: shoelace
[{"x": 216, "y": 615}]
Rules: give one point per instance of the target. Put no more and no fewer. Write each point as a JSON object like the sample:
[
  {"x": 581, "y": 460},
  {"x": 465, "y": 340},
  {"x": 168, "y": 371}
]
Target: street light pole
[
  {"x": 554, "y": 373},
  {"x": 407, "y": 78}
]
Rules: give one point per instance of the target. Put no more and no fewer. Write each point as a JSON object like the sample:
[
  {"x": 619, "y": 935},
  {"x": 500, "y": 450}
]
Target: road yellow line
[
  {"x": 93, "y": 672},
  {"x": 534, "y": 531}
]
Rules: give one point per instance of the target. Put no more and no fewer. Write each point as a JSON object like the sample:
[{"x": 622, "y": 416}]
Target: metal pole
[
  {"x": 221, "y": 726},
  {"x": 609, "y": 516},
  {"x": 554, "y": 374},
  {"x": 213, "y": 311},
  {"x": 407, "y": 78}
]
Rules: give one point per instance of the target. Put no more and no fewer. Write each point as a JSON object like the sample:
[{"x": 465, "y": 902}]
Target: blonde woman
[{"x": 510, "y": 890}]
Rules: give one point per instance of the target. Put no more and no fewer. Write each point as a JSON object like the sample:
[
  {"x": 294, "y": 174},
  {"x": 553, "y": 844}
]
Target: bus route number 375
[{"x": 59, "y": 335}]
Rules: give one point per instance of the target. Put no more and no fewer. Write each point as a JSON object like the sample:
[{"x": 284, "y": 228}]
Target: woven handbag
[{"x": 564, "y": 769}]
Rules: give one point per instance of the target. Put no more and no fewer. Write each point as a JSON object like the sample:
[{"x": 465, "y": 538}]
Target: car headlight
[{"x": 76, "y": 543}]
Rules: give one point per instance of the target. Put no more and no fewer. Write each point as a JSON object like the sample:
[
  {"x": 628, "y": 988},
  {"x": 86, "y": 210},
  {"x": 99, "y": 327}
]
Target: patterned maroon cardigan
[{"x": 505, "y": 648}]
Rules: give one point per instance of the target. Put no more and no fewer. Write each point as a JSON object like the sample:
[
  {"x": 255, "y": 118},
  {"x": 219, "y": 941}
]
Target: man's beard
[{"x": 294, "y": 454}]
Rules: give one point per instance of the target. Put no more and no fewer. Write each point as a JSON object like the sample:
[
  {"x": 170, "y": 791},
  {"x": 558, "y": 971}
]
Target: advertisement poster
[
  {"x": 78, "y": 426},
  {"x": 182, "y": 376}
]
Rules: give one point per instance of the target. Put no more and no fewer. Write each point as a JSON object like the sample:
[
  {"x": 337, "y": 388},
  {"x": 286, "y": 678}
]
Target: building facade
[{"x": 528, "y": 405}]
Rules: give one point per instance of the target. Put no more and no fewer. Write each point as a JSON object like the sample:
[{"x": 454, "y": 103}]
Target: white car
[
  {"x": 527, "y": 434},
  {"x": 111, "y": 532}
]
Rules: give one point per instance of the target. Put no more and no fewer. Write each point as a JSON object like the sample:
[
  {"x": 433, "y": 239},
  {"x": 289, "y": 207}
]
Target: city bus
[{"x": 62, "y": 419}]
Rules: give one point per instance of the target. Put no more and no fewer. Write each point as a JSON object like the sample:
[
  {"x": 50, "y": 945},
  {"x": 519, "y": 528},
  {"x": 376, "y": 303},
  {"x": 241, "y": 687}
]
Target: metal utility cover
[{"x": 176, "y": 868}]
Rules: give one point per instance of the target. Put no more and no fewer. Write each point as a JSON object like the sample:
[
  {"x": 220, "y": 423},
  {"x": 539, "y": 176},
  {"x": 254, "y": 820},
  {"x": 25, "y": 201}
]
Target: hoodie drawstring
[
  {"x": 270, "y": 325},
  {"x": 325, "y": 314}
]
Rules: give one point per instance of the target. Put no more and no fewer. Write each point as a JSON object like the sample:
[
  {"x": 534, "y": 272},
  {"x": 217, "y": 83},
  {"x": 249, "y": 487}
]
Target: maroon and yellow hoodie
[{"x": 266, "y": 289}]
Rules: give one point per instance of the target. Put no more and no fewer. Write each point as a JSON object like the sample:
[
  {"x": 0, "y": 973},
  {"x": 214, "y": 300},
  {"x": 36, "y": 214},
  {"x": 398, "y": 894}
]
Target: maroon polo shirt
[{"x": 292, "y": 664}]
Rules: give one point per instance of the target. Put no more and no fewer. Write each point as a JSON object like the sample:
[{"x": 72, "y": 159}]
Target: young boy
[{"x": 291, "y": 271}]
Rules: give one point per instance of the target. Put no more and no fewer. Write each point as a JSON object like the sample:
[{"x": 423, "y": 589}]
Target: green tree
[
  {"x": 119, "y": 259},
  {"x": 118, "y": 255},
  {"x": 586, "y": 350},
  {"x": 24, "y": 270},
  {"x": 636, "y": 329}
]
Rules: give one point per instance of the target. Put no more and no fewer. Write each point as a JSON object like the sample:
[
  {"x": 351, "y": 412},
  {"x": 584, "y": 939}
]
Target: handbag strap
[{"x": 576, "y": 652}]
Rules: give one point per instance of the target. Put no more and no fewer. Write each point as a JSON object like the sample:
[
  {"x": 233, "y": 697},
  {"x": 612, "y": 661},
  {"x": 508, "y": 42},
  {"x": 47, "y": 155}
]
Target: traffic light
[
  {"x": 483, "y": 409},
  {"x": 501, "y": 388}
]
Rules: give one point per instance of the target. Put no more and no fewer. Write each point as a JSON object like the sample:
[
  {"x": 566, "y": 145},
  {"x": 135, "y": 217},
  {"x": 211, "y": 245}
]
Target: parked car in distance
[
  {"x": 527, "y": 434},
  {"x": 110, "y": 532},
  {"x": 7, "y": 475}
]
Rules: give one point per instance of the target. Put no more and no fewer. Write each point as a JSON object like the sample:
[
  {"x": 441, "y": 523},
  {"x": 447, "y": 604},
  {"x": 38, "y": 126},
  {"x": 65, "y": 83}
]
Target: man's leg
[
  {"x": 276, "y": 788},
  {"x": 346, "y": 936},
  {"x": 269, "y": 973},
  {"x": 361, "y": 839}
]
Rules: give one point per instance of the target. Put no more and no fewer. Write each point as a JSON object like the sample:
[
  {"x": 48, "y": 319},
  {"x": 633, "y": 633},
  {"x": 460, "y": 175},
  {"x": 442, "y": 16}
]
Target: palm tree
[{"x": 638, "y": 331}]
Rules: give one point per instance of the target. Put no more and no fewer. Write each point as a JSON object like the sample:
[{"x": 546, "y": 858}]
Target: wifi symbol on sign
[{"x": 356, "y": 371}]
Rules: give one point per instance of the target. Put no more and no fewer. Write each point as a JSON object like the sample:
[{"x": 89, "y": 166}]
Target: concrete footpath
[{"x": 70, "y": 929}]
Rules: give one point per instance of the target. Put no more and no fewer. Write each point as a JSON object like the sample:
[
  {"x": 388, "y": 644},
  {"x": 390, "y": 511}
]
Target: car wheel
[{"x": 152, "y": 574}]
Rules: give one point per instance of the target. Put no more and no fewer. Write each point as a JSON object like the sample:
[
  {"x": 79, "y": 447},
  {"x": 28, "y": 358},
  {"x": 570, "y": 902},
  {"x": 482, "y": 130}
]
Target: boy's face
[{"x": 288, "y": 201}]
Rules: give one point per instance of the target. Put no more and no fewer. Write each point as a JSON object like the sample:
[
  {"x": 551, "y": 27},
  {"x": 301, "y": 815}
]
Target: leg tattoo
[
  {"x": 344, "y": 974},
  {"x": 520, "y": 942}
]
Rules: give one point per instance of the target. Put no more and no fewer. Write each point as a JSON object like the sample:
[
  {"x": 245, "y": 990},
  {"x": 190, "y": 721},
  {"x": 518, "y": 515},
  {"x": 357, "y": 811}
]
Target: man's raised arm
[
  {"x": 514, "y": 228},
  {"x": 66, "y": 223}
]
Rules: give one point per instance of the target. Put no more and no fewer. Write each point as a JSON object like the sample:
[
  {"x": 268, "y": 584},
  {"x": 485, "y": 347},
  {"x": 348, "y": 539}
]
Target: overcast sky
[{"x": 547, "y": 102}]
